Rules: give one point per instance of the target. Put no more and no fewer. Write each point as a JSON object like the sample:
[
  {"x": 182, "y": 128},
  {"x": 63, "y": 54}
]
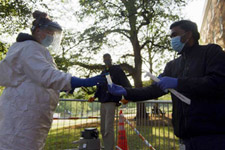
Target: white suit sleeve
[{"x": 41, "y": 71}]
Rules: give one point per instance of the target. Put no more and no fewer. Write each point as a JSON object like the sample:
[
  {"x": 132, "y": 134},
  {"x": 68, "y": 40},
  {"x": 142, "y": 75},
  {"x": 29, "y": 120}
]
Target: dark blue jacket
[
  {"x": 118, "y": 77},
  {"x": 201, "y": 77}
]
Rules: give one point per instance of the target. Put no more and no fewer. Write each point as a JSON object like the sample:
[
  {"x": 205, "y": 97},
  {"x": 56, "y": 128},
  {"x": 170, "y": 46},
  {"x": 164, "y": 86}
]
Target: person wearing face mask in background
[
  {"x": 199, "y": 74},
  {"x": 32, "y": 84},
  {"x": 108, "y": 101}
]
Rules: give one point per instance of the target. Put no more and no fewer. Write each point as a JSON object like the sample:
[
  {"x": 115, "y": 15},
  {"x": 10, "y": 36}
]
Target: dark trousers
[{"x": 209, "y": 142}]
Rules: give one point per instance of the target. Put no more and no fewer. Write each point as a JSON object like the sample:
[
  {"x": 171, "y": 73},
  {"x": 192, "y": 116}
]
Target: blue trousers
[{"x": 209, "y": 142}]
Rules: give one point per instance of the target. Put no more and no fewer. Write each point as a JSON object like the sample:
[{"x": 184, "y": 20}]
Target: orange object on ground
[
  {"x": 122, "y": 138},
  {"x": 91, "y": 99}
]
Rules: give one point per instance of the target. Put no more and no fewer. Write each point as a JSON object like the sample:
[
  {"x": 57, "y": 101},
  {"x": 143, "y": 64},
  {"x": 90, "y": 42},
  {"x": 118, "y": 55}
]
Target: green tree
[
  {"x": 11, "y": 13},
  {"x": 129, "y": 20},
  {"x": 3, "y": 50},
  {"x": 14, "y": 16},
  {"x": 140, "y": 23}
]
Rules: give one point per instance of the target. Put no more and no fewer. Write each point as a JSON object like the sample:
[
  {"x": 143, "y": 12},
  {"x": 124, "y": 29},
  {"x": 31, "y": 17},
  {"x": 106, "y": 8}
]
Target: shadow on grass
[{"x": 63, "y": 138}]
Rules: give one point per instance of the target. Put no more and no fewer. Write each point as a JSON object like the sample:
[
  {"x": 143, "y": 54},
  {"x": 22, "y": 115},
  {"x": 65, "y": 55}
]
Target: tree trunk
[
  {"x": 141, "y": 115},
  {"x": 132, "y": 11}
]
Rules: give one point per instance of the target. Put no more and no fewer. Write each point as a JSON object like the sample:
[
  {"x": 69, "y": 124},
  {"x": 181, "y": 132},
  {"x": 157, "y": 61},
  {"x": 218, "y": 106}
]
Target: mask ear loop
[{"x": 187, "y": 39}]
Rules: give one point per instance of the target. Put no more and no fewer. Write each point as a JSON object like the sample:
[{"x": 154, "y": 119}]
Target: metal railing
[{"x": 72, "y": 116}]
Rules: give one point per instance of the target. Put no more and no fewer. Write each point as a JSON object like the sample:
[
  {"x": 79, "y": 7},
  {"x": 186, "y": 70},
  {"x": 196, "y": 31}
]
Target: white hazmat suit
[{"x": 32, "y": 83}]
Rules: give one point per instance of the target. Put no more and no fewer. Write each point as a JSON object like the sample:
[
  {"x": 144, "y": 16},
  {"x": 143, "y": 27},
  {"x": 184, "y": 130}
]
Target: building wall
[{"x": 213, "y": 23}]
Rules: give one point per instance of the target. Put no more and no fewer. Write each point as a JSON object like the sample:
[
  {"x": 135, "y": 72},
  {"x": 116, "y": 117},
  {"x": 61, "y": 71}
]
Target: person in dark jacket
[
  {"x": 199, "y": 74},
  {"x": 109, "y": 101}
]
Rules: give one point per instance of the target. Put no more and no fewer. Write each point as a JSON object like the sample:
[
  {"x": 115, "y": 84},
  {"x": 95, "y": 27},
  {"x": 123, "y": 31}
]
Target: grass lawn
[{"x": 64, "y": 132}]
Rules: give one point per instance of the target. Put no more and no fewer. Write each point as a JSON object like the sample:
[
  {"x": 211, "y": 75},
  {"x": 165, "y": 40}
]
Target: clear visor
[
  {"x": 54, "y": 30},
  {"x": 55, "y": 45}
]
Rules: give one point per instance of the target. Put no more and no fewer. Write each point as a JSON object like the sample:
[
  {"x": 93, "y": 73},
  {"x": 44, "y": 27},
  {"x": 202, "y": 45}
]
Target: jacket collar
[
  {"x": 186, "y": 50},
  {"x": 24, "y": 37}
]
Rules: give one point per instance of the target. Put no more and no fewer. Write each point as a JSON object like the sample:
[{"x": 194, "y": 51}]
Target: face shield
[{"x": 53, "y": 36}]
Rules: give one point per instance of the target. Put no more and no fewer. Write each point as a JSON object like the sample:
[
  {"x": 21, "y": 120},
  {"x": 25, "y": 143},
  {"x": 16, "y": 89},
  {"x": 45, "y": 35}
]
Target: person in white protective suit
[{"x": 32, "y": 84}]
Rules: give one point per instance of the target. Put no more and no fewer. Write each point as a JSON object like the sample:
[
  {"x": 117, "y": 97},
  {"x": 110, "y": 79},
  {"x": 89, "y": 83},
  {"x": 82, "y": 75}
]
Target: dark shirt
[
  {"x": 201, "y": 77},
  {"x": 118, "y": 77}
]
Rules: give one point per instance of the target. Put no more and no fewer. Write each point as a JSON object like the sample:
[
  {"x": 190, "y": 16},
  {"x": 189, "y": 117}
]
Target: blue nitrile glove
[
  {"x": 71, "y": 91},
  {"x": 117, "y": 90},
  {"x": 167, "y": 83},
  {"x": 160, "y": 75},
  {"x": 78, "y": 82}
]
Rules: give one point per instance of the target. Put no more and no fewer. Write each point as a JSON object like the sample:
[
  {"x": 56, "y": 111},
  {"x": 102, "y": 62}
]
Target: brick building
[{"x": 213, "y": 23}]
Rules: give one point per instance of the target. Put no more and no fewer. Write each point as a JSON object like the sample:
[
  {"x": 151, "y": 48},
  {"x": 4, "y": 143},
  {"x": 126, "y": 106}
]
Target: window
[
  {"x": 204, "y": 38},
  {"x": 221, "y": 25},
  {"x": 204, "y": 34},
  {"x": 213, "y": 37},
  {"x": 212, "y": 10},
  {"x": 208, "y": 26},
  {"x": 218, "y": 2}
]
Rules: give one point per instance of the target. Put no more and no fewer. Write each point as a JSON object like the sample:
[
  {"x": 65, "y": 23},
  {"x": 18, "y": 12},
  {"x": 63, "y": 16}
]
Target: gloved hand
[
  {"x": 167, "y": 83},
  {"x": 117, "y": 90},
  {"x": 78, "y": 82},
  {"x": 91, "y": 99},
  {"x": 71, "y": 91},
  {"x": 124, "y": 101},
  {"x": 160, "y": 75}
]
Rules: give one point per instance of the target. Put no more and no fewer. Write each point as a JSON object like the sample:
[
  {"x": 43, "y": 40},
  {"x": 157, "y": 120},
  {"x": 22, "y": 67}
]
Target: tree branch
[
  {"x": 145, "y": 43},
  {"x": 121, "y": 31},
  {"x": 124, "y": 66},
  {"x": 160, "y": 46},
  {"x": 156, "y": 45},
  {"x": 127, "y": 55},
  {"x": 89, "y": 66},
  {"x": 128, "y": 68}
]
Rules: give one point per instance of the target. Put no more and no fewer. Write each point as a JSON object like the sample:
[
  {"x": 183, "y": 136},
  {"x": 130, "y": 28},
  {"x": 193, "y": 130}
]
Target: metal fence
[{"x": 73, "y": 116}]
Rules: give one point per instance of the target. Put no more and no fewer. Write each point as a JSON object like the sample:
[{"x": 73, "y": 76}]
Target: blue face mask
[
  {"x": 47, "y": 40},
  {"x": 176, "y": 44}
]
